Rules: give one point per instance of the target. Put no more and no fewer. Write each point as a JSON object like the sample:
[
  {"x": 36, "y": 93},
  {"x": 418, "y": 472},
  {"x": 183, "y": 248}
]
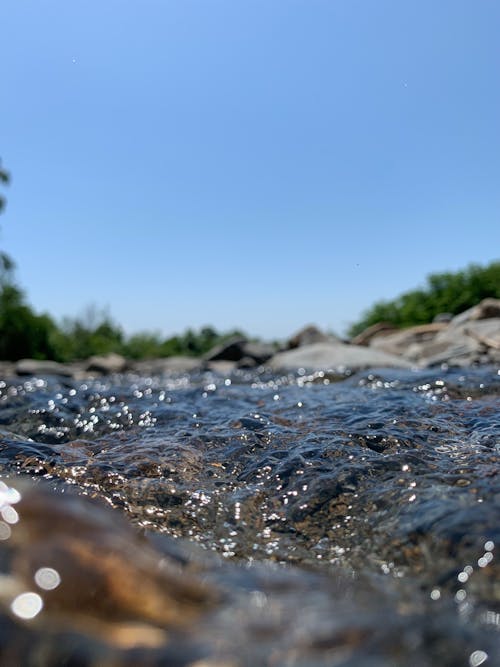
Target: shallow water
[{"x": 341, "y": 520}]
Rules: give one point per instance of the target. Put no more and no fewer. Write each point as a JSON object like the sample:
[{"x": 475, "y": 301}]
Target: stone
[
  {"x": 102, "y": 574},
  {"x": 308, "y": 335},
  {"x": 237, "y": 349},
  {"x": 107, "y": 364},
  {"x": 486, "y": 309},
  {"x": 175, "y": 364},
  {"x": 335, "y": 356},
  {"x": 38, "y": 367},
  {"x": 486, "y": 332},
  {"x": 378, "y": 329},
  {"x": 398, "y": 342},
  {"x": 231, "y": 350}
]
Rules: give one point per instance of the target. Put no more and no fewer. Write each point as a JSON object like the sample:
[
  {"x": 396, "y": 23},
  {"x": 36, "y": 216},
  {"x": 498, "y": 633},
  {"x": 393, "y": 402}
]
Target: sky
[{"x": 256, "y": 164}]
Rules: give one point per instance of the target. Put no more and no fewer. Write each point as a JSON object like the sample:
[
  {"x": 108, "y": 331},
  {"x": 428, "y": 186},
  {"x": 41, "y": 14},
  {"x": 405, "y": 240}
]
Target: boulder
[
  {"x": 309, "y": 335},
  {"x": 472, "y": 341},
  {"x": 237, "y": 349},
  {"x": 106, "y": 364},
  {"x": 378, "y": 329},
  {"x": 487, "y": 308},
  {"x": 38, "y": 367},
  {"x": 399, "y": 341},
  {"x": 335, "y": 356},
  {"x": 175, "y": 364}
]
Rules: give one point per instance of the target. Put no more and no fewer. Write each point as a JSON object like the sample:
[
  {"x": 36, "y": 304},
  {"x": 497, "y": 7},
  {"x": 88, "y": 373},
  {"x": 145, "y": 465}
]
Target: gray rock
[
  {"x": 399, "y": 342},
  {"x": 378, "y": 329},
  {"x": 335, "y": 356},
  {"x": 175, "y": 364},
  {"x": 309, "y": 335},
  {"x": 486, "y": 332},
  {"x": 443, "y": 317},
  {"x": 37, "y": 367},
  {"x": 106, "y": 364},
  {"x": 486, "y": 309},
  {"x": 221, "y": 367}
]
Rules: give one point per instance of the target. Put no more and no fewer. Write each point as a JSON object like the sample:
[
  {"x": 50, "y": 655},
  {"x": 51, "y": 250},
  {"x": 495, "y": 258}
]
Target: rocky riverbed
[{"x": 251, "y": 518}]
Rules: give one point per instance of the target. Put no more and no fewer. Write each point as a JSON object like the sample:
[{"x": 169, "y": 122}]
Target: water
[{"x": 323, "y": 519}]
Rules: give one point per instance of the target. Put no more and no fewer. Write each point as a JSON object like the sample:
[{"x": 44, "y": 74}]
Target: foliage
[
  {"x": 450, "y": 292},
  {"x": 22, "y": 332},
  {"x": 4, "y": 179}
]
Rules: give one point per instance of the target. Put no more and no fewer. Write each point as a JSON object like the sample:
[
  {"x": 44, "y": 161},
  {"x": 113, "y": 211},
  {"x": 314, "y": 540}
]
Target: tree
[{"x": 4, "y": 179}]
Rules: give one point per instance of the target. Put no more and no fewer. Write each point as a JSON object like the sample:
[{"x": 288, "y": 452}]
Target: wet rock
[
  {"x": 309, "y": 335},
  {"x": 325, "y": 356},
  {"x": 37, "y": 367},
  {"x": 107, "y": 364},
  {"x": 99, "y": 570}
]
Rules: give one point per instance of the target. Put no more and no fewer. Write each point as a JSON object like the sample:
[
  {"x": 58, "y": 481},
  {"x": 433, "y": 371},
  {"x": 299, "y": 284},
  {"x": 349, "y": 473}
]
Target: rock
[
  {"x": 238, "y": 348},
  {"x": 37, "y": 367},
  {"x": 7, "y": 369},
  {"x": 175, "y": 364},
  {"x": 309, "y": 335},
  {"x": 471, "y": 342},
  {"x": 486, "y": 332},
  {"x": 101, "y": 574},
  {"x": 231, "y": 350},
  {"x": 107, "y": 364},
  {"x": 443, "y": 317},
  {"x": 399, "y": 341},
  {"x": 487, "y": 308},
  {"x": 220, "y": 367},
  {"x": 378, "y": 329},
  {"x": 335, "y": 356}
]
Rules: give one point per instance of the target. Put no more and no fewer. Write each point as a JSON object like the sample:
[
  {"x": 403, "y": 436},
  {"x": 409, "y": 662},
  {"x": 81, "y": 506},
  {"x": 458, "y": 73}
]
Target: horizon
[{"x": 249, "y": 165}]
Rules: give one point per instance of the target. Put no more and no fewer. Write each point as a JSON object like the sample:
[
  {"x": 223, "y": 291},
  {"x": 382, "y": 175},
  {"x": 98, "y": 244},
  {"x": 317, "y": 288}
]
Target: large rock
[
  {"x": 175, "y": 364},
  {"x": 335, "y": 356},
  {"x": 470, "y": 342},
  {"x": 485, "y": 309},
  {"x": 399, "y": 341},
  {"x": 38, "y": 367},
  {"x": 237, "y": 349},
  {"x": 107, "y": 364},
  {"x": 309, "y": 335},
  {"x": 378, "y": 329}
]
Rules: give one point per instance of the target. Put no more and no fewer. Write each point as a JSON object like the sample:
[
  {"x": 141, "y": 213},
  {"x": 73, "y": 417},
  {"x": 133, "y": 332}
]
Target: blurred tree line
[
  {"x": 450, "y": 292},
  {"x": 25, "y": 334}
]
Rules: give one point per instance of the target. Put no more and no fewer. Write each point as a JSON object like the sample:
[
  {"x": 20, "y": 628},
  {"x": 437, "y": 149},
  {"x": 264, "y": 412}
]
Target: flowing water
[{"x": 277, "y": 520}]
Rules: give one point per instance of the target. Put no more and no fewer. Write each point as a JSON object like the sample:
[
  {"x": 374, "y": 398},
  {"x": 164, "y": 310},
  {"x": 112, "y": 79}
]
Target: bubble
[
  {"x": 5, "y": 531},
  {"x": 477, "y": 658},
  {"x": 435, "y": 594},
  {"x": 489, "y": 545},
  {"x": 47, "y": 578},
  {"x": 28, "y": 605},
  {"x": 9, "y": 514}
]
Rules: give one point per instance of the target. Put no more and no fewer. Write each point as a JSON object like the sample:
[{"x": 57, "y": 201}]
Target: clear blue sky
[{"x": 261, "y": 164}]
